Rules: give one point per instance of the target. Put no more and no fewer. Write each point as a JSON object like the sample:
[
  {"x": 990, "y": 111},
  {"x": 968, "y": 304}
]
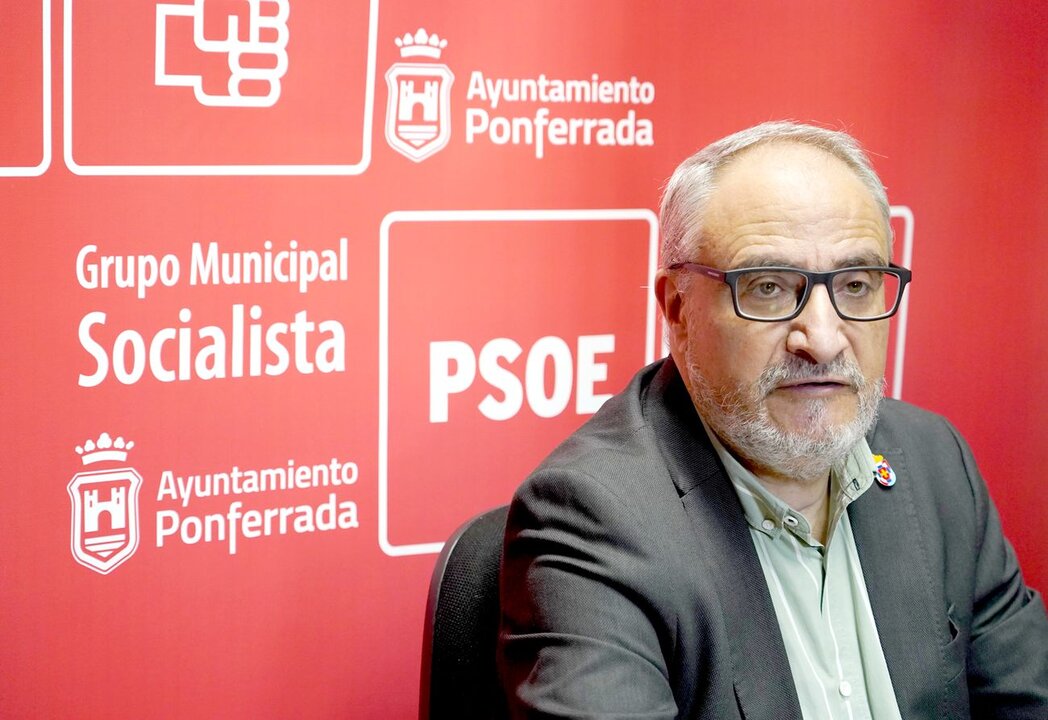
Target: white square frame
[
  {"x": 432, "y": 216},
  {"x": 45, "y": 153},
  {"x": 213, "y": 170}
]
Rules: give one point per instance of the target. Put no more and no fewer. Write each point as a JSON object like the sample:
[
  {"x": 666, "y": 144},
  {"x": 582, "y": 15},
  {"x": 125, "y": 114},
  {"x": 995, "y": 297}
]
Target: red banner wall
[{"x": 292, "y": 288}]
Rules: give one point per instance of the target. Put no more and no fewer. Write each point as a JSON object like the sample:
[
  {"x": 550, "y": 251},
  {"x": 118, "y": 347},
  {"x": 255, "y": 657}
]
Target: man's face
[{"x": 779, "y": 392}]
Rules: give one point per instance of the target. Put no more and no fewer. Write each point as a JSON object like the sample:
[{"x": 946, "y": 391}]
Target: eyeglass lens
[{"x": 771, "y": 294}]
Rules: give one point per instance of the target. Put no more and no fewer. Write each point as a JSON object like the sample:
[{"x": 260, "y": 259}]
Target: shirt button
[
  {"x": 768, "y": 525},
  {"x": 790, "y": 520},
  {"x": 844, "y": 688}
]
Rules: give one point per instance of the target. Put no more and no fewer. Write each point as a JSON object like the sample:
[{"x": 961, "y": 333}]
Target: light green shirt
[{"x": 819, "y": 595}]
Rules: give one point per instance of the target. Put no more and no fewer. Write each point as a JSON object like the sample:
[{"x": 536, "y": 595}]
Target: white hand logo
[{"x": 272, "y": 26}]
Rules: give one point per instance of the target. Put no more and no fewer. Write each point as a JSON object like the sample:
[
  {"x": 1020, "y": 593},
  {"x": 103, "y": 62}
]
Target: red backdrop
[{"x": 470, "y": 260}]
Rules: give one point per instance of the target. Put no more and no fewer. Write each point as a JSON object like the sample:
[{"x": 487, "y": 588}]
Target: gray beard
[{"x": 739, "y": 417}]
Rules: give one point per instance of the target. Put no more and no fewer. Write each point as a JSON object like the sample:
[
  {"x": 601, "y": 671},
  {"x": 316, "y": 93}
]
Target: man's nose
[{"x": 818, "y": 332}]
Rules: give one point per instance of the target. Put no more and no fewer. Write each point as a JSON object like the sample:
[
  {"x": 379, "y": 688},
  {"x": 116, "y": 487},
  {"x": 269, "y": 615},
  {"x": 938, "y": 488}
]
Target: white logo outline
[
  {"x": 234, "y": 48},
  {"x": 105, "y": 553},
  {"x": 418, "y": 140}
]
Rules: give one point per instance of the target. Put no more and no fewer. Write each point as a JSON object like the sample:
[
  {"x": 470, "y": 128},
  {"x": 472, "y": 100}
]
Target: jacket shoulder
[{"x": 901, "y": 424}]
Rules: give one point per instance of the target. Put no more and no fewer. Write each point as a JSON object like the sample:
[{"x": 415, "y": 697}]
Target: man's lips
[
  {"x": 816, "y": 385},
  {"x": 814, "y": 381}
]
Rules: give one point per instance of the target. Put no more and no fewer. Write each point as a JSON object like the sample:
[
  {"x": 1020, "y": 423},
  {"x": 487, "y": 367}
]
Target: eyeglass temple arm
[
  {"x": 710, "y": 272},
  {"x": 695, "y": 267}
]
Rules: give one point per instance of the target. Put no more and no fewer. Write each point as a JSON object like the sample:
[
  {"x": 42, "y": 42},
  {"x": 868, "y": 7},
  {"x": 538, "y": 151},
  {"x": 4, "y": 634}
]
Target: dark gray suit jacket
[{"x": 631, "y": 587}]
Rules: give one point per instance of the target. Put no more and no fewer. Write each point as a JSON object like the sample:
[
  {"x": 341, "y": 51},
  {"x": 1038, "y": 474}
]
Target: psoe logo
[
  {"x": 105, "y": 506},
  {"x": 418, "y": 114},
  {"x": 256, "y": 56}
]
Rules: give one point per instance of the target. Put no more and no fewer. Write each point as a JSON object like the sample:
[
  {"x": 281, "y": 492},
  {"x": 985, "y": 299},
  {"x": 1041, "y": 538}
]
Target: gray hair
[{"x": 692, "y": 183}]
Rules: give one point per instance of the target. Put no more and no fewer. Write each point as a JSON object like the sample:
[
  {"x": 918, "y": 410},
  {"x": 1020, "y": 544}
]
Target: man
[{"x": 749, "y": 530}]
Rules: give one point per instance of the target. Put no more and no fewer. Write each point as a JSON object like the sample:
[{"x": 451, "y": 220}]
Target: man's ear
[{"x": 671, "y": 301}]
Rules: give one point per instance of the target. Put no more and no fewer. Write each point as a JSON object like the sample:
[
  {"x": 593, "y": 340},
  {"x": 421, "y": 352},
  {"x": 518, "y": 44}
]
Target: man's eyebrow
[
  {"x": 759, "y": 261},
  {"x": 874, "y": 259},
  {"x": 764, "y": 261}
]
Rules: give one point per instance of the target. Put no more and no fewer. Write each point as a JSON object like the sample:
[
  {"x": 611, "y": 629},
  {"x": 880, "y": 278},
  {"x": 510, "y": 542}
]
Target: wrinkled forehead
[{"x": 791, "y": 193}]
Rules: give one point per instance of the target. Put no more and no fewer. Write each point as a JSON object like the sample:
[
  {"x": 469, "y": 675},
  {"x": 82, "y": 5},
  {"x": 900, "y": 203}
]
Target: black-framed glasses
[{"x": 773, "y": 294}]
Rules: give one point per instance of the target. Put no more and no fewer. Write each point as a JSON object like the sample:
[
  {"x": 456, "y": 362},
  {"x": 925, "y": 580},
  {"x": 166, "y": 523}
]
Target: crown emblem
[
  {"x": 105, "y": 448},
  {"x": 421, "y": 44}
]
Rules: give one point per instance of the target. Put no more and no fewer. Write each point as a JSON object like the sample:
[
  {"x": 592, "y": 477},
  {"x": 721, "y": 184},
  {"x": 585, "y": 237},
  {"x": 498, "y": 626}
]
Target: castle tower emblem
[
  {"x": 105, "y": 506},
  {"x": 418, "y": 114}
]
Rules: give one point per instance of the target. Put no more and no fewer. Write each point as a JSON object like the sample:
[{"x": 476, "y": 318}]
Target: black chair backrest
[{"x": 459, "y": 678}]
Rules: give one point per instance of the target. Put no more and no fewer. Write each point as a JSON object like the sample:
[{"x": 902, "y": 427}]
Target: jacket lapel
[
  {"x": 763, "y": 682},
  {"x": 896, "y": 568}
]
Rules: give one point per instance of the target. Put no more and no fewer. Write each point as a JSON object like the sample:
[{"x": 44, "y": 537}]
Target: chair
[{"x": 459, "y": 679}]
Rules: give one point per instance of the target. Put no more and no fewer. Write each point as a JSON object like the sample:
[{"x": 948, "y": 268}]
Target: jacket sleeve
[
  {"x": 579, "y": 636},
  {"x": 1007, "y": 658}
]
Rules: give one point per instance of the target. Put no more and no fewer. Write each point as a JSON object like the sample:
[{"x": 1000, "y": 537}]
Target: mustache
[{"x": 796, "y": 369}]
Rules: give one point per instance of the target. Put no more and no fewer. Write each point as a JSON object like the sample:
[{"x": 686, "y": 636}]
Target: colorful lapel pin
[{"x": 883, "y": 473}]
